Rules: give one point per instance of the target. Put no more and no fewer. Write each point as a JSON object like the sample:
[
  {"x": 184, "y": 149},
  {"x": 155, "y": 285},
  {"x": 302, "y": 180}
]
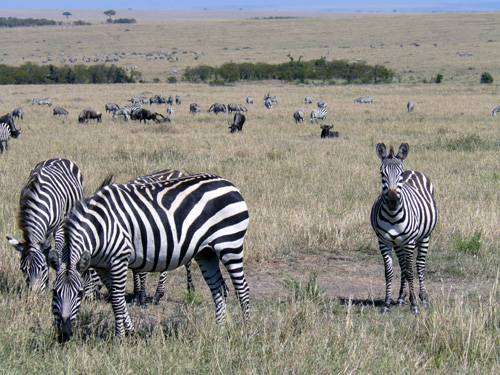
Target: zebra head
[
  {"x": 33, "y": 263},
  {"x": 67, "y": 297},
  {"x": 391, "y": 171}
]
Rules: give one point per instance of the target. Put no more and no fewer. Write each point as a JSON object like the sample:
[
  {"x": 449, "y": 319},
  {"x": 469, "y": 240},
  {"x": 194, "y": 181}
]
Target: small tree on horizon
[
  {"x": 67, "y": 14},
  {"x": 109, "y": 13}
]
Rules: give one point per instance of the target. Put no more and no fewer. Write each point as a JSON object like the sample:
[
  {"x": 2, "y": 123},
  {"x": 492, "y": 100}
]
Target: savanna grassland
[{"x": 314, "y": 270}]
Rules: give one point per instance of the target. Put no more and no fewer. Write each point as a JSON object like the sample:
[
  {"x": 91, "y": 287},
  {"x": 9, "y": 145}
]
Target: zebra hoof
[
  {"x": 414, "y": 310},
  {"x": 385, "y": 310},
  {"x": 401, "y": 302},
  {"x": 157, "y": 299},
  {"x": 425, "y": 305}
]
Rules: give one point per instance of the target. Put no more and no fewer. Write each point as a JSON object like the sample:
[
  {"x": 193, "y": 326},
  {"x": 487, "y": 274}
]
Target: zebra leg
[
  {"x": 118, "y": 274},
  {"x": 402, "y": 267},
  {"x": 233, "y": 261},
  {"x": 6, "y": 145},
  {"x": 421, "y": 262},
  {"x": 409, "y": 250},
  {"x": 1, "y": 147},
  {"x": 160, "y": 288},
  {"x": 209, "y": 265},
  {"x": 189, "y": 278},
  {"x": 139, "y": 288},
  {"x": 389, "y": 273}
]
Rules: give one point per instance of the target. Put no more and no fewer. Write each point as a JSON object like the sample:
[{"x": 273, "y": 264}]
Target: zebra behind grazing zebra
[
  {"x": 298, "y": 116},
  {"x": 152, "y": 228},
  {"x": 410, "y": 106},
  {"x": 495, "y": 110},
  {"x": 52, "y": 189},
  {"x": 319, "y": 114},
  {"x": 403, "y": 218}
]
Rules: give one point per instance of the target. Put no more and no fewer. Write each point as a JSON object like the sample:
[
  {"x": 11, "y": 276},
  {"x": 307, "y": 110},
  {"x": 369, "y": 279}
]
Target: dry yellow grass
[{"x": 309, "y": 202}]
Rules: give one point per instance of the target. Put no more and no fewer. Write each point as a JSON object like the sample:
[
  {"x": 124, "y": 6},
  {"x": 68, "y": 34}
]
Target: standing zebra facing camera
[
  {"x": 403, "y": 218},
  {"x": 152, "y": 228}
]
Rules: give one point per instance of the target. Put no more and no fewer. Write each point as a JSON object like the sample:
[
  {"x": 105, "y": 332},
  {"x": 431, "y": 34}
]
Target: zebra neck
[{"x": 393, "y": 212}]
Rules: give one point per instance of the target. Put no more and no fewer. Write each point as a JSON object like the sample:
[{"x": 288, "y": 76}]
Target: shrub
[
  {"x": 468, "y": 143},
  {"x": 21, "y": 22},
  {"x": 30, "y": 73},
  {"x": 471, "y": 245},
  {"x": 310, "y": 291},
  {"x": 81, "y": 23},
  {"x": 319, "y": 69},
  {"x": 486, "y": 78},
  {"x": 121, "y": 20},
  {"x": 172, "y": 79},
  {"x": 439, "y": 78}
]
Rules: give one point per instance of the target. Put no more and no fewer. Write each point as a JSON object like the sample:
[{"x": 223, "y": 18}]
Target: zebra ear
[
  {"x": 381, "y": 151},
  {"x": 53, "y": 260},
  {"x": 403, "y": 151},
  {"x": 84, "y": 262}
]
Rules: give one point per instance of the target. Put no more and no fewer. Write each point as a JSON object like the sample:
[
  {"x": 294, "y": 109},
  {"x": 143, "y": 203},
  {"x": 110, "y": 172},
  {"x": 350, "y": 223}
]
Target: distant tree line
[
  {"x": 19, "y": 22},
  {"x": 121, "y": 20},
  {"x": 30, "y": 73},
  {"x": 318, "y": 70}
]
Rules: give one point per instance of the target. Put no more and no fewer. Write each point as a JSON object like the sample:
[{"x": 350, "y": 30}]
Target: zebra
[
  {"x": 410, "y": 106},
  {"x": 298, "y": 116},
  {"x": 151, "y": 228},
  {"x": 308, "y": 100},
  {"x": 178, "y": 100},
  {"x": 194, "y": 108},
  {"x": 60, "y": 112},
  {"x": 111, "y": 107},
  {"x": 364, "y": 100},
  {"x": 274, "y": 99},
  {"x": 7, "y": 130},
  {"x": 249, "y": 100},
  {"x": 124, "y": 113},
  {"x": 170, "y": 112},
  {"x": 18, "y": 113},
  {"x": 403, "y": 218},
  {"x": 319, "y": 114},
  {"x": 233, "y": 107},
  {"x": 52, "y": 189},
  {"x": 218, "y": 108},
  {"x": 495, "y": 110},
  {"x": 268, "y": 103},
  {"x": 321, "y": 104},
  {"x": 41, "y": 101},
  {"x": 170, "y": 100}
]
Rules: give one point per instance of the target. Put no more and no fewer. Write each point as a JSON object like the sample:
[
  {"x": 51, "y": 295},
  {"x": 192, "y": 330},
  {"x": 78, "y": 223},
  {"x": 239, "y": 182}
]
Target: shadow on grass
[{"x": 361, "y": 302}]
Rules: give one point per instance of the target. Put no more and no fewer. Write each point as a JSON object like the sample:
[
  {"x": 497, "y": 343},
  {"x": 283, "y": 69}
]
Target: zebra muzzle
[{"x": 65, "y": 330}]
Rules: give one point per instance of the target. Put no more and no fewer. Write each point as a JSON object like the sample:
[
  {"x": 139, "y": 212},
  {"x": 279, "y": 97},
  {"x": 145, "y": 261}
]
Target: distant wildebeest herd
[{"x": 134, "y": 110}]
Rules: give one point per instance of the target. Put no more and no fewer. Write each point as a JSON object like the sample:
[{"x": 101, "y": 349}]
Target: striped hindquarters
[{"x": 4, "y": 132}]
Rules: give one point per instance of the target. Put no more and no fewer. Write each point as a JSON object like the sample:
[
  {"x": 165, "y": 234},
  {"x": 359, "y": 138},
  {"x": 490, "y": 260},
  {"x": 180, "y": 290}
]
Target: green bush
[
  {"x": 486, "y": 78},
  {"x": 30, "y": 73},
  {"x": 22, "y": 22},
  {"x": 172, "y": 79},
  {"x": 471, "y": 245},
  {"x": 319, "y": 69},
  {"x": 439, "y": 78},
  {"x": 121, "y": 20}
]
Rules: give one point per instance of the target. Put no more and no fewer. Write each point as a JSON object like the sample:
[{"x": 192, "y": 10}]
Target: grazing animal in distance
[
  {"x": 410, "y": 106},
  {"x": 319, "y": 114},
  {"x": 123, "y": 113},
  {"x": 274, "y": 99},
  {"x": 364, "y": 100},
  {"x": 308, "y": 100},
  {"x": 111, "y": 107},
  {"x": 157, "y": 99},
  {"x": 41, "y": 101},
  {"x": 249, "y": 100},
  {"x": 59, "y": 111},
  {"x": 89, "y": 114},
  {"x": 18, "y": 113},
  {"x": 403, "y": 218},
  {"x": 170, "y": 100},
  {"x": 145, "y": 115},
  {"x": 214, "y": 219},
  {"x": 326, "y": 132},
  {"x": 321, "y": 104},
  {"x": 232, "y": 107},
  {"x": 268, "y": 103},
  {"x": 7, "y": 130},
  {"x": 194, "y": 108},
  {"x": 170, "y": 112},
  {"x": 298, "y": 116},
  {"x": 178, "y": 100},
  {"x": 238, "y": 121},
  {"x": 495, "y": 110},
  {"x": 218, "y": 108}
]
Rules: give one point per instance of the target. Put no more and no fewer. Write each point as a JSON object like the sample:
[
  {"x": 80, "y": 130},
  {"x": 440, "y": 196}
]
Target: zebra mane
[{"x": 391, "y": 152}]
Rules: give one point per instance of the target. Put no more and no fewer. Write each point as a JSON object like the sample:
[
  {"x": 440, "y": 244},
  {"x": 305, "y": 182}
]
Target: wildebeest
[
  {"x": 326, "y": 132},
  {"x": 145, "y": 115},
  {"x": 194, "y": 108},
  {"x": 178, "y": 100},
  {"x": 217, "y": 108},
  {"x": 18, "y": 113},
  {"x": 139, "y": 100},
  {"x": 89, "y": 114},
  {"x": 249, "y": 100},
  {"x": 364, "y": 100},
  {"x": 308, "y": 100},
  {"x": 233, "y": 107},
  {"x": 170, "y": 100},
  {"x": 157, "y": 99},
  {"x": 321, "y": 104},
  {"x": 41, "y": 101},
  {"x": 410, "y": 106},
  {"x": 111, "y": 107},
  {"x": 59, "y": 111},
  {"x": 298, "y": 116},
  {"x": 238, "y": 121}
]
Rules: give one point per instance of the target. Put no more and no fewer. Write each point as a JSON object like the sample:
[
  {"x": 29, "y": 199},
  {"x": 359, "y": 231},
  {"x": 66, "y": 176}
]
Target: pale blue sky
[{"x": 331, "y": 5}]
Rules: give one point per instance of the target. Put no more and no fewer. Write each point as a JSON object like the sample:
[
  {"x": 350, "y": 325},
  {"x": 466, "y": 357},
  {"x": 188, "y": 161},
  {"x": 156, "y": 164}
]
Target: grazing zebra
[
  {"x": 319, "y": 114},
  {"x": 364, "y": 100},
  {"x": 495, "y": 110},
  {"x": 152, "y": 228},
  {"x": 268, "y": 103},
  {"x": 308, "y": 100},
  {"x": 41, "y": 101},
  {"x": 249, "y": 100},
  {"x": 410, "y": 106},
  {"x": 52, "y": 189},
  {"x": 178, "y": 100},
  {"x": 123, "y": 113},
  {"x": 7, "y": 130},
  {"x": 403, "y": 218},
  {"x": 218, "y": 108},
  {"x": 274, "y": 99},
  {"x": 321, "y": 104},
  {"x": 233, "y": 107},
  {"x": 59, "y": 111},
  {"x": 18, "y": 113},
  {"x": 170, "y": 111},
  {"x": 194, "y": 108},
  {"x": 298, "y": 116},
  {"x": 111, "y": 107}
]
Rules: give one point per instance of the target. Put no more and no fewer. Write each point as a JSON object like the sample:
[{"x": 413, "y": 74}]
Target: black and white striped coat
[
  {"x": 5, "y": 135},
  {"x": 153, "y": 228},
  {"x": 319, "y": 114},
  {"x": 403, "y": 218}
]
